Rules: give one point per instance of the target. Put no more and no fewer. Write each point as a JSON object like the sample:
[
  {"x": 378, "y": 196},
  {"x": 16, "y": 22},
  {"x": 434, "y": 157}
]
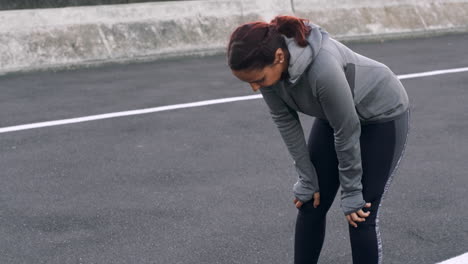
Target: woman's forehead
[{"x": 249, "y": 75}]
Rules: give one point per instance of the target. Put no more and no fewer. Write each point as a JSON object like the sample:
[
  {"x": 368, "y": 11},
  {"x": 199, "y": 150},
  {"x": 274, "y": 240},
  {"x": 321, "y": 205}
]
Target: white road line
[
  {"x": 431, "y": 73},
  {"x": 462, "y": 259},
  {"x": 187, "y": 105},
  {"x": 127, "y": 113}
]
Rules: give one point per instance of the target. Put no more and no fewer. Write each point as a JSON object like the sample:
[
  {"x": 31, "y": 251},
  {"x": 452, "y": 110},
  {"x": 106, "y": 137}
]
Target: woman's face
[{"x": 269, "y": 75}]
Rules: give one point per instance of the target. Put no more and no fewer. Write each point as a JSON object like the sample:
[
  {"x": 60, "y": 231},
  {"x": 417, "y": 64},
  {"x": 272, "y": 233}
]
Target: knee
[
  {"x": 369, "y": 223},
  {"x": 309, "y": 209}
]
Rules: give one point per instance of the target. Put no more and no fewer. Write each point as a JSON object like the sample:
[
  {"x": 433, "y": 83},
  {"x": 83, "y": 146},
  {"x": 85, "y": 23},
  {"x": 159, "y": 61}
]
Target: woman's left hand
[{"x": 358, "y": 216}]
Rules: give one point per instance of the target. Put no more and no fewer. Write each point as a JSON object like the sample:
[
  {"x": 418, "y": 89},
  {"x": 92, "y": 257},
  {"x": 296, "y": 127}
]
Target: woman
[{"x": 358, "y": 136}]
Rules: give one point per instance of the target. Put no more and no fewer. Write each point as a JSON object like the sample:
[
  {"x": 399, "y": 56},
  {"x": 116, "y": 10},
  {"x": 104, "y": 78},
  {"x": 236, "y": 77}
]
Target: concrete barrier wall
[
  {"x": 67, "y": 37},
  {"x": 353, "y": 19},
  {"x": 34, "y": 39}
]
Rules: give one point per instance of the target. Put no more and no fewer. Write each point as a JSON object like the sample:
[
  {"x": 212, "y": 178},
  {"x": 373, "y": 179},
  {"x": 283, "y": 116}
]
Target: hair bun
[{"x": 292, "y": 27}]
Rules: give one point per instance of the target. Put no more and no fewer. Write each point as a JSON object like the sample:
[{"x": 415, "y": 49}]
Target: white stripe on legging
[
  {"x": 387, "y": 185},
  {"x": 187, "y": 105}
]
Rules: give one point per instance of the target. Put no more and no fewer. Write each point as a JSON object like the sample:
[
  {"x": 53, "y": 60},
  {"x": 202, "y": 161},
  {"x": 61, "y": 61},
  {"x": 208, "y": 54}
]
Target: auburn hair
[{"x": 253, "y": 45}]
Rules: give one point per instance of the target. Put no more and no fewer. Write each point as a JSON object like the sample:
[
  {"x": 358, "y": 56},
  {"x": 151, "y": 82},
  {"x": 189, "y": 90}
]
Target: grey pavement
[{"x": 211, "y": 184}]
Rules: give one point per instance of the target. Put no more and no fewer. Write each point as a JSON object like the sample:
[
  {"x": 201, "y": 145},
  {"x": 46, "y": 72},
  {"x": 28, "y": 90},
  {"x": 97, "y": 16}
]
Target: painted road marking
[
  {"x": 431, "y": 73},
  {"x": 187, "y": 105},
  {"x": 126, "y": 113},
  {"x": 462, "y": 259}
]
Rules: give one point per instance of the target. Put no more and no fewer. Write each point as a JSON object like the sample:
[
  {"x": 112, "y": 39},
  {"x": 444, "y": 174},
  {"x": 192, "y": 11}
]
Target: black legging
[{"x": 382, "y": 146}]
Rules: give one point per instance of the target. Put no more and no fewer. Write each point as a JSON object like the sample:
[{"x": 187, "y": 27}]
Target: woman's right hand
[{"x": 316, "y": 198}]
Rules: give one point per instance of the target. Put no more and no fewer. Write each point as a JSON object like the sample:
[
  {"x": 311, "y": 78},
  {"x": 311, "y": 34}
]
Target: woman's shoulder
[{"x": 326, "y": 64}]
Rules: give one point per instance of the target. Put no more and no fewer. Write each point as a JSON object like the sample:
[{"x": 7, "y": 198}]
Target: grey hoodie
[{"x": 329, "y": 81}]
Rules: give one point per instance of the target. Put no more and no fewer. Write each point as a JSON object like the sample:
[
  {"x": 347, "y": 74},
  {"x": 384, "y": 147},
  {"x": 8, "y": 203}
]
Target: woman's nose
[{"x": 255, "y": 86}]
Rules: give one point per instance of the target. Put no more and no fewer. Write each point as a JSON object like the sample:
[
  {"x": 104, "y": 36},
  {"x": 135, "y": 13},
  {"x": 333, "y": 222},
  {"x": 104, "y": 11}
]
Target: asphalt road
[{"x": 211, "y": 184}]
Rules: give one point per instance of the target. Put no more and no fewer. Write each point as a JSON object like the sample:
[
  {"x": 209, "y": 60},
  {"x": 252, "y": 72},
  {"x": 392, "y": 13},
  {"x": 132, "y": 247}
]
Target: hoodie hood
[{"x": 301, "y": 57}]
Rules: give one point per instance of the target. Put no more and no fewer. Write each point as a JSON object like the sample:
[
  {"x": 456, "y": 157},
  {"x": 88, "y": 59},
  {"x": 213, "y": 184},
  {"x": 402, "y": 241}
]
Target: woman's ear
[{"x": 279, "y": 56}]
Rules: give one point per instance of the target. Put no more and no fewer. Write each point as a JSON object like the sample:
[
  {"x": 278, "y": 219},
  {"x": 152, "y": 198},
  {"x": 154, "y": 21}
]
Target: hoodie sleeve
[
  {"x": 289, "y": 126},
  {"x": 336, "y": 99}
]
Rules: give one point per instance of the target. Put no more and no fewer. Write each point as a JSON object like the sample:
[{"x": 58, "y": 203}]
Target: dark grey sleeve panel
[
  {"x": 289, "y": 126},
  {"x": 336, "y": 99}
]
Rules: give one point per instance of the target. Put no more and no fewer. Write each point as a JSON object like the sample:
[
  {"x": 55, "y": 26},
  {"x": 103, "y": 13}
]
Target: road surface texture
[{"x": 211, "y": 184}]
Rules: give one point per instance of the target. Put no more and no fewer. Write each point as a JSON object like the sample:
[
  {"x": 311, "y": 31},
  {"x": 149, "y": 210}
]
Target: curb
[{"x": 73, "y": 37}]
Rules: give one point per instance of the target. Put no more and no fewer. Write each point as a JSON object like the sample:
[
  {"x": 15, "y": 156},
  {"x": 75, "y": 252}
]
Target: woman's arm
[
  {"x": 337, "y": 102},
  {"x": 289, "y": 126}
]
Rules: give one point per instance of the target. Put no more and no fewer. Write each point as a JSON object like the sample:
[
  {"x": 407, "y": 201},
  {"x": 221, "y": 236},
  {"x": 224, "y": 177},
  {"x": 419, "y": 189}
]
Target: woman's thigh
[
  {"x": 323, "y": 157},
  {"x": 382, "y": 147}
]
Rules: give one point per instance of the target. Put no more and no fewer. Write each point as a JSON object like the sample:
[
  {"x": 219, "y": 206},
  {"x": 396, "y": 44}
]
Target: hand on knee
[{"x": 359, "y": 216}]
